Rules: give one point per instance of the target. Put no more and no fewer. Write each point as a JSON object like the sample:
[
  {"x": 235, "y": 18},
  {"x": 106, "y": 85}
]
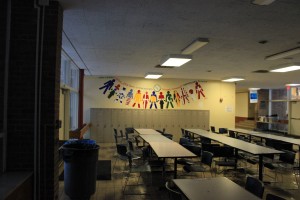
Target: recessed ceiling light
[
  {"x": 175, "y": 60},
  {"x": 262, "y": 2},
  {"x": 233, "y": 79},
  {"x": 196, "y": 44},
  {"x": 286, "y": 69},
  {"x": 283, "y": 54},
  {"x": 153, "y": 75}
]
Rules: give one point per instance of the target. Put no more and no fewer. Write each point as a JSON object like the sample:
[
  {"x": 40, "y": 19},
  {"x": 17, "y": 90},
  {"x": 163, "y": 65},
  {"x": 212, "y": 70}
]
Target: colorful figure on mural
[
  {"x": 199, "y": 90},
  {"x": 153, "y": 100},
  {"x": 184, "y": 96},
  {"x": 176, "y": 97},
  {"x": 161, "y": 98},
  {"x": 121, "y": 95},
  {"x": 129, "y": 96},
  {"x": 137, "y": 98},
  {"x": 107, "y": 85},
  {"x": 187, "y": 93},
  {"x": 145, "y": 100},
  {"x": 112, "y": 92},
  {"x": 169, "y": 99},
  {"x": 191, "y": 94}
]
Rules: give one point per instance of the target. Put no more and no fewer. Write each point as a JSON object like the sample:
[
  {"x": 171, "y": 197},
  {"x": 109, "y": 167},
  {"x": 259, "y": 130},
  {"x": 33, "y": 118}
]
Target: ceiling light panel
[
  {"x": 286, "y": 69},
  {"x": 175, "y": 60},
  {"x": 292, "y": 84},
  {"x": 153, "y": 75},
  {"x": 233, "y": 79}
]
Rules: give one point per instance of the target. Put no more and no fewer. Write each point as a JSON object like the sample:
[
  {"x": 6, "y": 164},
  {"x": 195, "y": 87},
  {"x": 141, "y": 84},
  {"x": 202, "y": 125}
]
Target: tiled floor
[{"x": 112, "y": 189}]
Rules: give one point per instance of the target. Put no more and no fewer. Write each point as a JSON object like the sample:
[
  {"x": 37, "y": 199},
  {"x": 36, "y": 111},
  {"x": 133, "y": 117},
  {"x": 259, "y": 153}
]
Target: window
[
  {"x": 70, "y": 86},
  {"x": 73, "y": 110},
  {"x": 74, "y": 77}
]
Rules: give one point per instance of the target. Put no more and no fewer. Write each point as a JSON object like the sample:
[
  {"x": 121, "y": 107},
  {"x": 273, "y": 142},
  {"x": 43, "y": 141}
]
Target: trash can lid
[{"x": 80, "y": 144}]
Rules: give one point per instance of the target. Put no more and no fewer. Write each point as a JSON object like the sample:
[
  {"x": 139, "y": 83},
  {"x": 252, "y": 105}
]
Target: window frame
[{"x": 70, "y": 84}]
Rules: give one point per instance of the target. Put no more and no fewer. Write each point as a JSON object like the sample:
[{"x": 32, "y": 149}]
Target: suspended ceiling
[{"x": 129, "y": 38}]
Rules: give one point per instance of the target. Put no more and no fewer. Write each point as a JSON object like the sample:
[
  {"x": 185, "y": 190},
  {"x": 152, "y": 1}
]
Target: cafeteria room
[{"x": 149, "y": 100}]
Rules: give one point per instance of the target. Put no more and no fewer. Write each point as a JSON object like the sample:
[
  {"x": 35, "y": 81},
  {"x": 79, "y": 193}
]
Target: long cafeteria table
[
  {"x": 267, "y": 135},
  {"x": 290, "y": 140},
  {"x": 239, "y": 145},
  {"x": 213, "y": 188},
  {"x": 164, "y": 147}
]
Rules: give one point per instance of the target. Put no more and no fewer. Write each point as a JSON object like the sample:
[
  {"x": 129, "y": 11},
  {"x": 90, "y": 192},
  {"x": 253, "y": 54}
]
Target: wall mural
[{"x": 152, "y": 98}]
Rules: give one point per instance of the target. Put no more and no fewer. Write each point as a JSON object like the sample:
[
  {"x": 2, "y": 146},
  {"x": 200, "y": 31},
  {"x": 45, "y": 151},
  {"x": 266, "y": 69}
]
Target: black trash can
[{"x": 80, "y": 168}]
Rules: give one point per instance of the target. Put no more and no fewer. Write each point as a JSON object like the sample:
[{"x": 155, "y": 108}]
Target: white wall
[{"x": 222, "y": 113}]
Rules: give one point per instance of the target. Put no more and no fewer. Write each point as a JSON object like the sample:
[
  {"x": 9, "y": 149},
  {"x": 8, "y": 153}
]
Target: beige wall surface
[
  {"x": 219, "y": 97},
  {"x": 295, "y": 118},
  {"x": 241, "y": 109}
]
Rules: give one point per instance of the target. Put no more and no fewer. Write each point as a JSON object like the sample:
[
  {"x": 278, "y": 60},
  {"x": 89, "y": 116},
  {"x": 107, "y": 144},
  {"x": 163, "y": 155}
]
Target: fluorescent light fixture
[
  {"x": 196, "y": 44},
  {"x": 233, "y": 79},
  {"x": 286, "y": 69},
  {"x": 153, "y": 75},
  {"x": 175, "y": 60},
  {"x": 262, "y": 2},
  {"x": 292, "y": 84},
  {"x": 283, "y": 54},
  {"x": 251, "y": 89}
]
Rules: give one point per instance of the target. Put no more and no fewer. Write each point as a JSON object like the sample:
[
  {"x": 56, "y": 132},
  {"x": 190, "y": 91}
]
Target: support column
[
  {"x": 33, "y": 82},
  {"x": 80, "y": 101}
]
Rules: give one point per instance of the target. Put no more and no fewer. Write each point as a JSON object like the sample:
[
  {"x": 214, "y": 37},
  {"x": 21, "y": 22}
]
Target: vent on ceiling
[
  {"x": 261, "y": 71},
  {"x": 163, "y": 67}
]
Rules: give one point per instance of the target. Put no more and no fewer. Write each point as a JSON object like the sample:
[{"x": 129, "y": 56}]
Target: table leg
[
  {"x": 175, "y": 168},
  {"x": 236, "y": 157},
  {"x": 260, "y": 168},
  {"x": 299, "y": 159},
  {"x": 164, "y": 168}
]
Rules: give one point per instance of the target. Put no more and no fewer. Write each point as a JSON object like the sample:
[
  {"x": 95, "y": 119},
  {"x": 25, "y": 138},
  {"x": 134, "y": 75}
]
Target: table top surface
[
  {"x": 267, "y": 135},
  {"x": 145, "y": 131},
  {"x": 163, "y": 146},
  {"x": 236, "y": 143},
  {"x": 213, "y": 189},
  {"x": 155, "y": 138},
  {"x": 170, "y": 150}
]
